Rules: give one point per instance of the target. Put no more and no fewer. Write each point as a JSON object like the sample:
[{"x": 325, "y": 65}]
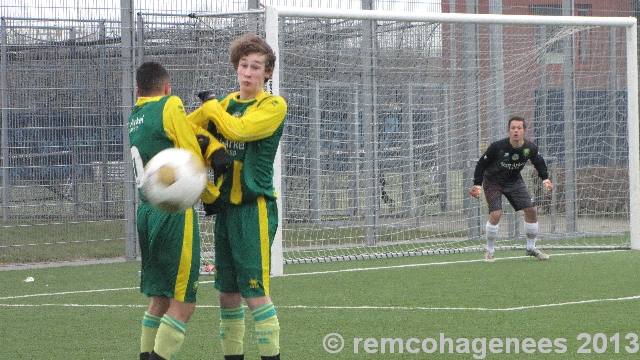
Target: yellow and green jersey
[
  {"x": 169, "y": 241},
  {"x": 158, "y": 123},
  {"x": 251, "y": 131}
]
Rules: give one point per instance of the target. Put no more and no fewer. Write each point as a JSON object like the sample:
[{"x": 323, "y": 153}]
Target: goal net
[{"x": 389, "y": 112}]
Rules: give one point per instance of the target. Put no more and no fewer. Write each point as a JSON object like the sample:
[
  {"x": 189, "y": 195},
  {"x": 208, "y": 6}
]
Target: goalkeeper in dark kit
[{"x": 497, "y": 173}]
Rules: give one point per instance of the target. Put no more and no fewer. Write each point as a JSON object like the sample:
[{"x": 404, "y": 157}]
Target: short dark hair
[
  {"x": 518, "y": 118},
  {"x": 151, "y": 77},
  {"x": 249, "y": 44}
]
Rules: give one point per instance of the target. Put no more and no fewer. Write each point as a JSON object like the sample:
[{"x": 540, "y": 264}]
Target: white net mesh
[{"x": 387, "y": 119}]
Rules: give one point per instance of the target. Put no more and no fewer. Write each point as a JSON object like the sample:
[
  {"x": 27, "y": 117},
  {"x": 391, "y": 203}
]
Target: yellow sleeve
[
  {"x": 177, "y": 128},
  {"x": 198, "y": 119},
  {"x": 257, "y": 123},
  {"x": 183, "y": 135}
]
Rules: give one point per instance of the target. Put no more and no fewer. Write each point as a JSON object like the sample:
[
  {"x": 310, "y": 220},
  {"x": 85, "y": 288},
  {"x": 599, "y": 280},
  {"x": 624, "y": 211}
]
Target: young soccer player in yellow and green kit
[
  {"x": 169, "y": 241},
  {"x": 250, "y": 123}
]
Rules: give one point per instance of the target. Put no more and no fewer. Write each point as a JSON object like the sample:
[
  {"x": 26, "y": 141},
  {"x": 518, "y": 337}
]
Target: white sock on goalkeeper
[
  {"x": 531, "y": 231},
  {"x": 492, "y": 233}
]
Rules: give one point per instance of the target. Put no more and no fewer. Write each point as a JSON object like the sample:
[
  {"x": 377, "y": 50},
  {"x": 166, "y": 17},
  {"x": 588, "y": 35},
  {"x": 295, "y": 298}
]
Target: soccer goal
[{"x": 389, "y": 112}]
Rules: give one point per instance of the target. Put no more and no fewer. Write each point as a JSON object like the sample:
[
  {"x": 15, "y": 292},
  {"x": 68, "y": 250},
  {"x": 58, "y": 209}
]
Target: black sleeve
[
  {"x": 483, "y": 163},
  {"x": 541, "y": 166}
]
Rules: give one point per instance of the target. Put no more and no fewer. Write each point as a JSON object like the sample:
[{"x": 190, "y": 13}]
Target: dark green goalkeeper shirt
[{"x": 251, "y": 131}]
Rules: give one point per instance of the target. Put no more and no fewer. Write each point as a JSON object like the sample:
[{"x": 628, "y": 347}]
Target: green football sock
[
  {"x": 232, "y": 330},
  {"x": 150, "y": 326},
  {"x": 267, "y": 329},
  {"x": 170, "y": 336}
]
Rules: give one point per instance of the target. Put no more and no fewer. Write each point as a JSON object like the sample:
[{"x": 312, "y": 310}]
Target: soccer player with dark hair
[
  {"x": 250, "y": 122},
  {"x": 498, "y": 172},
  {"x": 169, "y": 241}
]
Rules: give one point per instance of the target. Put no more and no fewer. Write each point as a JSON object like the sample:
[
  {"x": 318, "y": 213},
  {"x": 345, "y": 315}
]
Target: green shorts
[
  {"x": 243, "y": 237},
  {"x": 170, "y": 251}
]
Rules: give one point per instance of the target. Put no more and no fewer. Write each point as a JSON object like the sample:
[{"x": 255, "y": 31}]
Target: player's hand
[
  {"x": 476, "y": 191},
  {"x": 212, "y": 208},
  {"x": 220, "y": 162},
  {"x": 548, "y": 185},
  {"x": 206, "y": 95}
]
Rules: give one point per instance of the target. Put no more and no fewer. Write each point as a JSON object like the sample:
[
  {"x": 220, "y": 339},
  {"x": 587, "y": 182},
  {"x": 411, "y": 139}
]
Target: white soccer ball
[{"x": 174, "y": 179}]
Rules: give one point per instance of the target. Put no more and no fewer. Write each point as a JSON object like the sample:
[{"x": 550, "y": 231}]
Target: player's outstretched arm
[{"x": 256, "y": 123}]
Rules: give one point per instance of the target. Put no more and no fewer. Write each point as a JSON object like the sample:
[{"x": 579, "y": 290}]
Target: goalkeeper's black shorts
[{"x": 516, "y": 193}]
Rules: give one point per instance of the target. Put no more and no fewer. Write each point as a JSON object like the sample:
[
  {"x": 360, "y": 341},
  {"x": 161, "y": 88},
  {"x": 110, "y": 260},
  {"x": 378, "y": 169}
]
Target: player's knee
[
  {"x": 230, "y": 300},
  {"x": 255, "y": 302},
  {"x": 494, "y": 217},
  {"x": 531, "y": 214}
]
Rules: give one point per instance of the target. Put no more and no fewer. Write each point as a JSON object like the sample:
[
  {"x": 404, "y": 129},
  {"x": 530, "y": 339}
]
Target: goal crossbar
[{"x": 381, "y": 15}]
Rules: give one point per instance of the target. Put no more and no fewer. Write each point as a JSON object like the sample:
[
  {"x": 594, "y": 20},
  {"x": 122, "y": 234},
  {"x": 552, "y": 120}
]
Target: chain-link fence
[{"x": 63, "y": 154}]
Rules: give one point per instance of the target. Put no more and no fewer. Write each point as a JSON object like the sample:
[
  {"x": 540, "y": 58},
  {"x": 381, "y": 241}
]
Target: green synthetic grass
[
  {"x": 61, "y": 242},
  {"x": 94, "y": 311}
]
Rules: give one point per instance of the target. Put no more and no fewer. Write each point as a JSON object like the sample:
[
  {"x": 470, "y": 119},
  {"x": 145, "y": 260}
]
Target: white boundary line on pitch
[
  {"x": 327, "y": 307},
  {"x": 635, "y": 297}
]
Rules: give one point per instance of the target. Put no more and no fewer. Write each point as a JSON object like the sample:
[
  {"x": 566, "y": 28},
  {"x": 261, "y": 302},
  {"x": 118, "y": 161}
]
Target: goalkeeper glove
[
  {"x": 548, "y": 185},
  {"x": 220, "y": 162},
  {"x": 213, "y": 208},
  {"x": 206, "y": 95},
  {"x": 476, "y": 191},
  {"x": 219, "y": 159}
]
